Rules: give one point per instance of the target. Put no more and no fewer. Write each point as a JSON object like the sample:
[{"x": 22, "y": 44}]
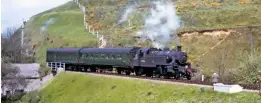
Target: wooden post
[
  {"x": 84, "y": 23},
  {"x": 93, "y": 32},
  {"x": 87, "y": 26},
  {"x": 97, "y": 34},
  {"x": 47, "y": 65}
]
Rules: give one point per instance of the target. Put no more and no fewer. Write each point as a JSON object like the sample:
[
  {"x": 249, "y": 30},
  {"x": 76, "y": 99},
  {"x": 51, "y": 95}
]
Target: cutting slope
[{"x": 82, "y": 88}]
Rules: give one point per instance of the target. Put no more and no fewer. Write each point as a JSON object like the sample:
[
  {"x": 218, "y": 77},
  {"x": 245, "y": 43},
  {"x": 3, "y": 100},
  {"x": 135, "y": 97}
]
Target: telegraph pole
[{"x": 22, "y": 35}]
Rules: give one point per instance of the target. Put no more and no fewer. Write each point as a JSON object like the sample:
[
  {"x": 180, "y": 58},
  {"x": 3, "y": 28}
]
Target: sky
[{"x": 14, "y": 11}]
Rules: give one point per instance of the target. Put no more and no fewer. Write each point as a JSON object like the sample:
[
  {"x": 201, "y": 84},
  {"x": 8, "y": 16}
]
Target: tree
[
  {"x": 11, "y": 53},
  {"x": 11, "y": 46}
]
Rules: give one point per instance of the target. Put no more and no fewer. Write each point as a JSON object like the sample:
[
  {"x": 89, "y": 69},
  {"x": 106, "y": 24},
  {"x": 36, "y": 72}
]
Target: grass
[
  {"x": 81, "y": 88},
  {"x": 67, "y": 30}
]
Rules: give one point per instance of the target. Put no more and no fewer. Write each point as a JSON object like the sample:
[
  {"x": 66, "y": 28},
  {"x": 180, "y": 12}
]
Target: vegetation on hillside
[
  {"x": 250, "y": 69},
  {"x": 67, "y": 29},
  {"x": 227, "y": 56},
  {"x": 82, "y": 88},
  {"x": 195, "y": 14}
]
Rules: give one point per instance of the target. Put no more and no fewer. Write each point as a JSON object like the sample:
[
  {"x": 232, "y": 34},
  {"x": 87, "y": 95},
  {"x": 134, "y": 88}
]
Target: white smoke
[
  {"x": 126, "y": 14},
  {"x": 47, "y": 23},
  {"x": 160, "y": 24}
]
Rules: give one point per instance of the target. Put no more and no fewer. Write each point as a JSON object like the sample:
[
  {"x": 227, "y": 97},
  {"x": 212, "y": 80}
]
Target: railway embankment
[{"x": 70, "y": 87}]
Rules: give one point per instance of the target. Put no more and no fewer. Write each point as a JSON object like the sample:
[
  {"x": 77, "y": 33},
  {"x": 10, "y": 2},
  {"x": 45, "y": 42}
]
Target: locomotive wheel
[
  {"x": 138, "y": 71},
  {"x": 188, "y": 76},
  {"x": 149, "y": 73},
  {"x": 93, "y": 69},
  {"x": 127, "y": 72},
  {"x": 118, "y": 71},
  {"x": 158, "y": 72},
  {"x": 177, "y": 76}
]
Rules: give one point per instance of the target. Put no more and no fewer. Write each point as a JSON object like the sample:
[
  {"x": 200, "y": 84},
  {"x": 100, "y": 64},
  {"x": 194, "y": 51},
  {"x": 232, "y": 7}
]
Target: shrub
[{"x": 250, "y": 69}]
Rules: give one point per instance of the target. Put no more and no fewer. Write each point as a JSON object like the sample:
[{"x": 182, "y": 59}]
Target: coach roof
[
  {"x": 89, "y": 49},
  {"x": 63, "y": 49},
  {"x": 106, "y": 49}
]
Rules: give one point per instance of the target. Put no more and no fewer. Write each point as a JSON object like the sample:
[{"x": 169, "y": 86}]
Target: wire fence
[{"x": 91, "y": 30}]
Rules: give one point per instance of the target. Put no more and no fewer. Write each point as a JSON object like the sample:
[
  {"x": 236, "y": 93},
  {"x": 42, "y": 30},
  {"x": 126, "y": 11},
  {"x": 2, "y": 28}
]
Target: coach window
[
  {"x": 94, "y": 56},
  {"x": 112, "y": 56},
  {"x": 109, "y": 56},
  {"x": 90, "y": 56},
  {"x": 102, "y": 56},
  {"x": 118, "y": 56},
  {"x": 69, "y": 56},
  {"x": 106, "y": 56},
  {"x": 98, "y": 56},
  {"x": 86, "y": 56},
  {"x": 82, "y": 56}
]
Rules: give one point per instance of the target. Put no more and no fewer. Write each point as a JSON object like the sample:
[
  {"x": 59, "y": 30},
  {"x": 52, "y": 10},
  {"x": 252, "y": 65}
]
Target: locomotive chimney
[{"x": 179, "y": 48}]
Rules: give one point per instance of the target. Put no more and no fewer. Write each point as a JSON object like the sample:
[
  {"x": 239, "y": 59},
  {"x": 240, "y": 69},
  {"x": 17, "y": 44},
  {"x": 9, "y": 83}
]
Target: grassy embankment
[{"x": 81, "y": 88}]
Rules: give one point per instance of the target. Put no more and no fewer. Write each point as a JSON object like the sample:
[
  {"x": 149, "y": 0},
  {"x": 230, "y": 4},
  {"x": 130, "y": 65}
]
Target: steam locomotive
[{"x": 140, "y": 61}]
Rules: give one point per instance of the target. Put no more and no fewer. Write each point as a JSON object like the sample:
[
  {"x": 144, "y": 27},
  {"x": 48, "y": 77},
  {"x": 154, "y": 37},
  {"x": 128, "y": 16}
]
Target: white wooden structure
[
  {"x": 220, "y": 87},
  {"x": 55, "y": 65}
]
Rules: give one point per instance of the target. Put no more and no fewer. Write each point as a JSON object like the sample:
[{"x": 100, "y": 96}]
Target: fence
[{"x": 101, "y": 41}]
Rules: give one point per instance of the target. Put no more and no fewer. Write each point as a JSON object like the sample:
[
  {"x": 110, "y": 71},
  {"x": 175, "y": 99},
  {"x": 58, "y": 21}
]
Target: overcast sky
[{"x": 14, "y": 11}]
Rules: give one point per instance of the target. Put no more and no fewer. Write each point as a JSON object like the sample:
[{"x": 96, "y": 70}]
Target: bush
[
  {"x": 32, "y": 97},
  {"x": 250, "y": 69}
]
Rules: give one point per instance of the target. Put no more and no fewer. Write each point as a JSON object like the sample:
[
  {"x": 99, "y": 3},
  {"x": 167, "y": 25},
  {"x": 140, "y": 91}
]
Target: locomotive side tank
[{"x": 164, "y": 62}]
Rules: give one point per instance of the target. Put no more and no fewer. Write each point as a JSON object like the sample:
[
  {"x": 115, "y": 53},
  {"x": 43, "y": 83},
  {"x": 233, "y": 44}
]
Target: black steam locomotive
[{"x": 149, "y": 61}]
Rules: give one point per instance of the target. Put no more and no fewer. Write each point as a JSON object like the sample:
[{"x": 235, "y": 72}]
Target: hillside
[
  {"x": 81, "y": 88},
  {"x": 195, "y": 14},
  {"x": 58, "y": 27},
  {"x": 63, "y": 27}
]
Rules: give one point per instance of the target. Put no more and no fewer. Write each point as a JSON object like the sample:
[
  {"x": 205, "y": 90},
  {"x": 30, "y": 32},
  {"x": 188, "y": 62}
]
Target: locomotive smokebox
[{"x": 179, "y": 48}]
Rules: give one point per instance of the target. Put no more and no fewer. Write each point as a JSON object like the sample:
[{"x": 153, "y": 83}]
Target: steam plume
[{"x": 161, "y": 22}]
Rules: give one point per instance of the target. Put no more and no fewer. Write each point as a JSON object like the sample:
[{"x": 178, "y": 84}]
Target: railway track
[{"x": 249, "y": 88}]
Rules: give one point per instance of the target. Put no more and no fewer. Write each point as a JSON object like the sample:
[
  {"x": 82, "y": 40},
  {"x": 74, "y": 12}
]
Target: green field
[{"x": 82, "y": 88}]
